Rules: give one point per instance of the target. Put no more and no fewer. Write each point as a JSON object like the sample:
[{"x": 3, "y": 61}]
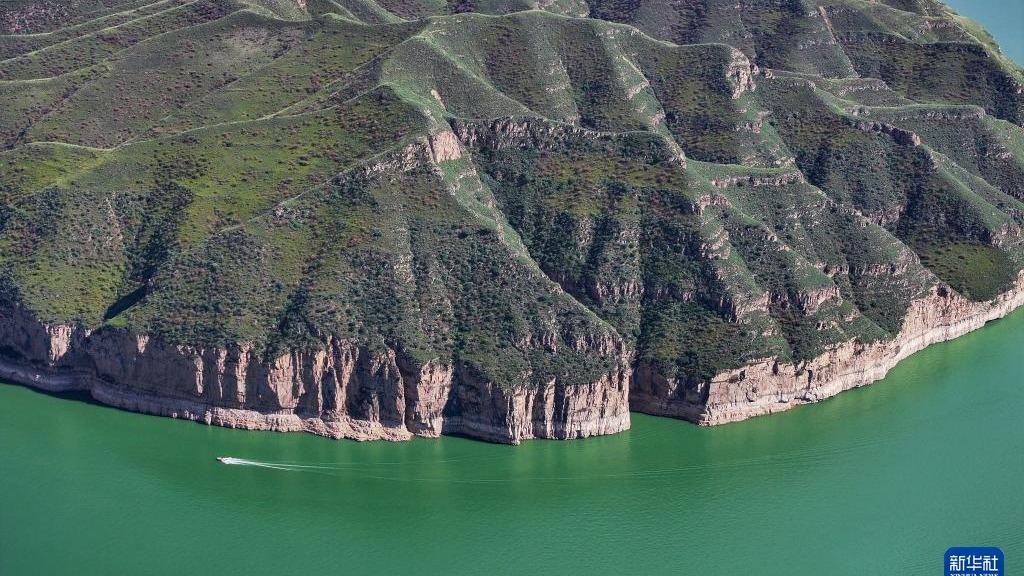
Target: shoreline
[
  {"x": 757, "y": 389},
  {"x": 497, "y": 415},
  {"x": 767, "y": 386},
  {"x": 57, "y": 382}
]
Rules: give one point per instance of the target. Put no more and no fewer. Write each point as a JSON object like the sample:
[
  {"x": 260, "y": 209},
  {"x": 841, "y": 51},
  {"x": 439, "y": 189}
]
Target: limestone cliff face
[
  {"x": 343, "y": 390},
  {"x": 768, "y": 386}
]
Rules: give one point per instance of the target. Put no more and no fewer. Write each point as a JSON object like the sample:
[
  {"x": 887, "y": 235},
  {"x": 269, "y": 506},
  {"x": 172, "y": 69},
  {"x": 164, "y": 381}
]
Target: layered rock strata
[
  {"x": 341, "y": 391},
  {"x": 349, "y": 391},
  {"x": 769, "y": 386}
]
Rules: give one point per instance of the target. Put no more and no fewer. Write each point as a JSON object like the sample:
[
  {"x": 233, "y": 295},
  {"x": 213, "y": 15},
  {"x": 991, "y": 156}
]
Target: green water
[
  {"x": 879, "y": 480},
  {"x": 876, "y": 481}
]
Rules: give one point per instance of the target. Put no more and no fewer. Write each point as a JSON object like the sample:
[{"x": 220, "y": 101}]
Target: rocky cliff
[
  {"x": 769, "y": 386},
  {"x": 347, "y": 391},
  {"x": 342, "y": 390},
  {"x": 384, "y": 219}
]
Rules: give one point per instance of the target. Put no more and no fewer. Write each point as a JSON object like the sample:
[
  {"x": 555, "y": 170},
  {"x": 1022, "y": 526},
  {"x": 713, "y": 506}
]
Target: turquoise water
[
  {"x": 1004, "y": 19},
  {"x": 879, "y": 480}
]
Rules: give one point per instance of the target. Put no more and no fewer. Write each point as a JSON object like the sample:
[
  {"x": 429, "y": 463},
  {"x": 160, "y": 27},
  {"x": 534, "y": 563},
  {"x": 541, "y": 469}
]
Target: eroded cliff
[
  {"x": 769, "y": 386},
  {"x": 342, "y": 390},
  {"x": 384, "y": 222}
]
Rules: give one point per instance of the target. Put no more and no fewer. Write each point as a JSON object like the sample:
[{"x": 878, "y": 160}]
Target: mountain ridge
[{"x": 605, "y": 218}]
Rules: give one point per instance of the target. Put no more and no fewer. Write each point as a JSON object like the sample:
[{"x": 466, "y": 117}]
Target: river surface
[
  {"x": 1004, "y": 19},
  {"x": 879, "y": 480}
]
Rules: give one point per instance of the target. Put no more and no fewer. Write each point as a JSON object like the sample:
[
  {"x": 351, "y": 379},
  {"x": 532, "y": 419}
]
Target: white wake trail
[{"x": 232, "y": 461}]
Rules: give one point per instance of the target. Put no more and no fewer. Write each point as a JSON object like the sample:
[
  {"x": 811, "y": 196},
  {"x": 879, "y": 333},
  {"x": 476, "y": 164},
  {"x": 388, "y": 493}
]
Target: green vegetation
[
  {"x": 522, "y": 192},
  {"x": 976, "y": 270}
]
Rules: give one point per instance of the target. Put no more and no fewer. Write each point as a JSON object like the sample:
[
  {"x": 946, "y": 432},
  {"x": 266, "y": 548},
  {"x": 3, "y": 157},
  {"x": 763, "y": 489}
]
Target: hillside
[{"x": 498, "y": 218}]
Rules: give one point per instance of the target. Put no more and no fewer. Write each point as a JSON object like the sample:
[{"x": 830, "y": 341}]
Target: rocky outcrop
[
  {"x": 346, "y": 390},
  {"x": 444, "y": 146},
  {"x": 511, "y": 132},
  {"x": 343, "y": 390},
  {"x": 740, "y": 73},
  {"x": 489, "y": 412},
  {"x": 769, "y": 386},
  {"x": 780, "y": 179},
  {"x": 899, "y": 135}
]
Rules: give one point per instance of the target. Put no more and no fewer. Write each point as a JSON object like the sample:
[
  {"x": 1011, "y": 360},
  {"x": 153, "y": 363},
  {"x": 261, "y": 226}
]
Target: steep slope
[{"x": 378, "y": 219}]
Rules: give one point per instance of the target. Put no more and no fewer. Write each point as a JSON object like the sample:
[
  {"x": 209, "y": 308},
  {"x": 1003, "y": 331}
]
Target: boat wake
[
  {"x": 231, "y": 461},
  {"x": 460, "y": 473}
]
